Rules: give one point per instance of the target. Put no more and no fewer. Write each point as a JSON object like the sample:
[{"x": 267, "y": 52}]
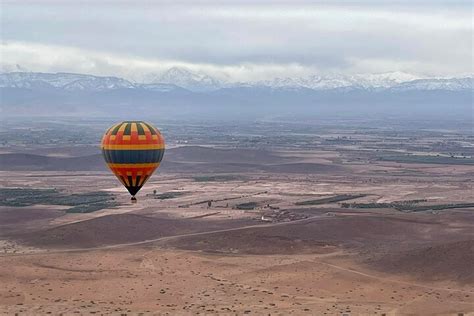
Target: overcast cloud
[{"x": 239, "y": 41}]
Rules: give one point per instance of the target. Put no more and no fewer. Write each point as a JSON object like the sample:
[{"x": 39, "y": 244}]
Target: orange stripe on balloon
[{"x": 132, "y": 146}]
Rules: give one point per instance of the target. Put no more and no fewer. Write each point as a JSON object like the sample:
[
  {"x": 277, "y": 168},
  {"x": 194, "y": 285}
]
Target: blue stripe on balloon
[{"x": 133, "y": 156}]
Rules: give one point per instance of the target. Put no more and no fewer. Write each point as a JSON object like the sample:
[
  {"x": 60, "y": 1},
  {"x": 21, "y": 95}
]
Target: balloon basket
[{"x": 133, "y": 199}]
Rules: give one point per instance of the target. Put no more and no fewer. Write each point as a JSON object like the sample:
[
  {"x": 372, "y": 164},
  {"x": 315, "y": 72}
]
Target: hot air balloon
[{"x": 133, "y": 150}]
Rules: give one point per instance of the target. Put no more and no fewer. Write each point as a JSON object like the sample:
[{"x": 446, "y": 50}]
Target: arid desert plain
[{"x": 359, "y": 221}]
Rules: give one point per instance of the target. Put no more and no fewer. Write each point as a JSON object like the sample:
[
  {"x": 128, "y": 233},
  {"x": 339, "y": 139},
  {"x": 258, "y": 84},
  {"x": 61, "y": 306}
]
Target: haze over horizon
[{"x": 239, "y": 41}]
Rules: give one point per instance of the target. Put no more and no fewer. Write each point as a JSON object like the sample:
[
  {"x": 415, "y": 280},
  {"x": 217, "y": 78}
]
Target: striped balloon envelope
[{"x": 133, "y": 150}]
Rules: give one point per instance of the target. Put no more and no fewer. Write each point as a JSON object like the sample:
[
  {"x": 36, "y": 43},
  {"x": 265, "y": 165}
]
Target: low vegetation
[
  {"x": 332, "y": 199},
  {"x": 430, "y": 159},
  {"x": 216, "y": 178},
  {"x": 168, "y": 195},
  {"x": 80, "y": 202},
  {"x": 408, "y": 206},
  {"x": 246, "y": 206}
]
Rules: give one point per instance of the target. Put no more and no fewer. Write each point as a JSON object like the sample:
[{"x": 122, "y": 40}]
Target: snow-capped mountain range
[
  {"x": 181, "y": 78},
  {"x": 315, "y": 82},
  {"x": 66, "y": 81}
]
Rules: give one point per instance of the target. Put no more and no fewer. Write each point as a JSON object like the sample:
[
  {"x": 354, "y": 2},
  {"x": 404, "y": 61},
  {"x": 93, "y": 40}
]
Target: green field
[
  {"x": 168, "y": 195},
  {"x": 80, "y": 202},
  {"x": 246, "y": 206},
  {"x": 429, "y": 159},
  {"x": 216, "y": 178},
  {"x": 408, "y": 206},
  {"x": 332, "y": 199}
]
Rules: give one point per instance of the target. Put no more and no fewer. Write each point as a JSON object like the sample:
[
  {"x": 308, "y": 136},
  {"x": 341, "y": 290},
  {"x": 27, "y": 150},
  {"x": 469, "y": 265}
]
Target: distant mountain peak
[
  {"x": 185, "y": 78},
  {"x": 178, "y": 71}
]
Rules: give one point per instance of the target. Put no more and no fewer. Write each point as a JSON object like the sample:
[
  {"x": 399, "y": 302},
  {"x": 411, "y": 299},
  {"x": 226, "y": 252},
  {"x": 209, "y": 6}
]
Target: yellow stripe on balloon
[
  {"x": 113, "y": 127},
  {"x": 145, "y": 128},
  {"x": 133, "y": 165},
  {"x": 122, "y": 127},
  {"x": 134, "y": 128}
]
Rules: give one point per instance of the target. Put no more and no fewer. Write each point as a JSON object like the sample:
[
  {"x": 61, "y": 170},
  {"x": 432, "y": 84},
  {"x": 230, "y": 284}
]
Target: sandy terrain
[
  {"x": 280, "y": 256},
  {"x": 176, "y": 282}
]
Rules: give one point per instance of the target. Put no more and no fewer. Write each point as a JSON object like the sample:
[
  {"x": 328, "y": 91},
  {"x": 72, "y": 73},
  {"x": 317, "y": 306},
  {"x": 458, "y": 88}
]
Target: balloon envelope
[{"x": 133, "y": 150}]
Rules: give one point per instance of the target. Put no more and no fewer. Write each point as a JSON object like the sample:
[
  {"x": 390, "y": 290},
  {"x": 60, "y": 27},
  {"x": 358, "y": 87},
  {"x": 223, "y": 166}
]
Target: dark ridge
[
  {"x": 449, "y": 261},
  {"x": 192, "y": 159}
]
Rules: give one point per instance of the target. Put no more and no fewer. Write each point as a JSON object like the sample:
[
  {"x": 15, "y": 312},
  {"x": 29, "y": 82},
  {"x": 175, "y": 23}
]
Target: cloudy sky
[{"x": 239, "y": 40}]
